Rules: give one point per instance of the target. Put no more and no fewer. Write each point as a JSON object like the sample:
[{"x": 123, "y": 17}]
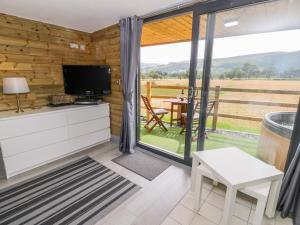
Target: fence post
[
  {"x": 216, "y": 108},
  {"x": 149, "y": 95}
]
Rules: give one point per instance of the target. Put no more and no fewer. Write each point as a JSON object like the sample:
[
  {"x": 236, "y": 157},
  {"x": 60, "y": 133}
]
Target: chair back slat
[
  {"x": 196, "y": 107},
  {"x": 147, "y": 104},
  {"x": 210, "y": 106}
]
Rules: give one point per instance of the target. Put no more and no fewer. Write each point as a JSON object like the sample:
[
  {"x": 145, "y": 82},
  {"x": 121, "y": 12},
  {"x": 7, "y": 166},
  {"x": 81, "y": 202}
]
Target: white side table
[{"x": 237, "y": 169}]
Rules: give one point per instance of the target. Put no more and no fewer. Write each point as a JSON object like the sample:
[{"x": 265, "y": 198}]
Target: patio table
[
  {"x": 182, "y": 108},
  {"x": 237, "y": 169}
]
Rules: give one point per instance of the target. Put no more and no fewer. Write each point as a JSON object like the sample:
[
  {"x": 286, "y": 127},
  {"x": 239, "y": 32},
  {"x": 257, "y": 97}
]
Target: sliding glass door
[
  {"x": 217, "y": 72},
  {"x": 198, "y": 81},
  {"x": 169, "y": 86},
  {"x": 251, "y": 80},
  {"x": 164, "y": 77}
]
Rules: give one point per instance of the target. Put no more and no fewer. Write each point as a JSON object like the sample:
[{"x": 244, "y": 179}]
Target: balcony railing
[{"x": 217, "y": 90}]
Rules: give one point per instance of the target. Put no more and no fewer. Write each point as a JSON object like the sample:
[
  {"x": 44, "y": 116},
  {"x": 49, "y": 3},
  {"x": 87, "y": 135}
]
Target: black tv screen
[{"x": 87, "y": 80}]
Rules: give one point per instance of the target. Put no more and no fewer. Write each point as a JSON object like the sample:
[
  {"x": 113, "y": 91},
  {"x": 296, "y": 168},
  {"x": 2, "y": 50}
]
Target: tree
[
  {"x": 155, "y": 75},
  {"x": 292, "y": 73},
  {"x": 222, "y": 77},
  {"x": 249, "y": 70},
  {"x": 181, "y": 75},
  {"x": 269, "y": 72},
  {"x": 234, "y": 73}
]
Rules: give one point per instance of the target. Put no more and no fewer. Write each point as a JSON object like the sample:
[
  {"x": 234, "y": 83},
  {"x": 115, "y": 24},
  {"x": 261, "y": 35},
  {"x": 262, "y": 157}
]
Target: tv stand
[
  {"x": 33, "y": 139},
  {"x": 87, "y": 100}
]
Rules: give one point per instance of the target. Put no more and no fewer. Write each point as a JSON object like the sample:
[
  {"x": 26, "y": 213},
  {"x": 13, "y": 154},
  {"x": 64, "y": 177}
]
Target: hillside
[{"x": 276, "y": 61}]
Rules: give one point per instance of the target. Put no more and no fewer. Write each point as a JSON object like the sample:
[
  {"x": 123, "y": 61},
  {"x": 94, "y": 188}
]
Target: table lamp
[{"x": 15, "y": 85}]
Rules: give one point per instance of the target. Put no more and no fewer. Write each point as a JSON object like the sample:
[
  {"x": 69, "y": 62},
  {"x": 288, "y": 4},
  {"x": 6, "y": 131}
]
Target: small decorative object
[
  {"x": 60, "y": 99},
  {"x": 181, "y": 96},
  {"x": 15, "y": 85}
]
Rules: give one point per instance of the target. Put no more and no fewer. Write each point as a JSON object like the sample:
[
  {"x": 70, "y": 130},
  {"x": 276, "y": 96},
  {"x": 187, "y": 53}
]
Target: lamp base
[{"x": 19, "y": 108}]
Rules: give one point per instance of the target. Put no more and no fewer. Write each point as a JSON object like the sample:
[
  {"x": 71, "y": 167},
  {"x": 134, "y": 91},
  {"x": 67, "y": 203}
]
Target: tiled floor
[
  {"x": 211, "y": 209},
  {"x": 149, "y": 206},
  {"x": 165, "y": 200}
]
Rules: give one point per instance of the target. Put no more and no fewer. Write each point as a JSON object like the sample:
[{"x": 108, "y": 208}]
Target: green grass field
[
  {"x": 174, "y": 142},
  {"x": 229, "y": 124}
]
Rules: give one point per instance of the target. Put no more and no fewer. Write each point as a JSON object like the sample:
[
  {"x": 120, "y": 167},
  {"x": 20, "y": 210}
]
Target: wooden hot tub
[{"x": 275, "y": 138}]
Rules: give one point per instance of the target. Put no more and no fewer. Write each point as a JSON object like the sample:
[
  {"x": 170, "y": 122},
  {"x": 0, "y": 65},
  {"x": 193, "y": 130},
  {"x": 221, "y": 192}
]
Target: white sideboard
[{"x": 35, "y": 138}]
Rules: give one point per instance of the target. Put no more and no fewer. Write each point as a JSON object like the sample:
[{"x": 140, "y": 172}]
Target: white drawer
[
  {"x": 25, "y": 161},
  {"x": 89, "y": 139},
  {"x": 86, "y": 114},
  {"x": 91, "y": 126},
  {"x": 28, "y": 125},
  {"x": 28, "y": 142}
]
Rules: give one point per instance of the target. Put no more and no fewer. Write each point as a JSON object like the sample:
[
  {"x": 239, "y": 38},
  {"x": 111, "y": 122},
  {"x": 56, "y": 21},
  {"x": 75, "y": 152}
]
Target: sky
[{"x": 285, "y": 41}]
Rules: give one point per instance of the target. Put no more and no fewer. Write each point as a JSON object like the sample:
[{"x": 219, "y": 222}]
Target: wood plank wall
[
  {"x": 37, "y": 51},
  {"x": 106, "y": 44}
]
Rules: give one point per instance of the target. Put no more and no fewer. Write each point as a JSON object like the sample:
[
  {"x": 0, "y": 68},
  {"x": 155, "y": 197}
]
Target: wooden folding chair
[
  {"x": 196, "y": 113},
  {"x": 157, "y": 115}
]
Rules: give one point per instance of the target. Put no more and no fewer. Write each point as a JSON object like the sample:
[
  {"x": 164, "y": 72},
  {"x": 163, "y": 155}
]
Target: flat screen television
[{"x": 87, "y": 80}]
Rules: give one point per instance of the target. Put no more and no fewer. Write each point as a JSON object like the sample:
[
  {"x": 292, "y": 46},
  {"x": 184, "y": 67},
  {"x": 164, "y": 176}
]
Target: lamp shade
[{"x": 15, "y": 85}]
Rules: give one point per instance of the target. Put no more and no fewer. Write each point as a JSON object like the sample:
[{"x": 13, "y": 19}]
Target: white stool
[{"x": 260, "y": 192}]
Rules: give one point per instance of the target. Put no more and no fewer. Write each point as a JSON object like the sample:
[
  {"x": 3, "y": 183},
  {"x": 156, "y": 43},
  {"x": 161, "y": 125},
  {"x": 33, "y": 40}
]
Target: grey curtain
[
  {"x": 295, "y": 139},
  {"x": 289, "y": 197},
  {"x": 131, "y": 29}
]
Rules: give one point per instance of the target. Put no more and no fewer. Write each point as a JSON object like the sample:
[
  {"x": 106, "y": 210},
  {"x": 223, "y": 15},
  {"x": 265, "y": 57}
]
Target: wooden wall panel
[
  {"x": 37, "y": 51},
  {"x": 106, "y": 44}
]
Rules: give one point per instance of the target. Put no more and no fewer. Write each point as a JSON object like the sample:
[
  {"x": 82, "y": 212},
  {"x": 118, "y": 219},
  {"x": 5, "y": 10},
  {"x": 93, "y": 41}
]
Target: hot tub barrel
[{"x": 275, "y": 138}]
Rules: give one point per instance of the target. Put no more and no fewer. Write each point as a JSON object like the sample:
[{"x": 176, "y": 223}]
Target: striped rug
[{"x": 78, "y": 193}]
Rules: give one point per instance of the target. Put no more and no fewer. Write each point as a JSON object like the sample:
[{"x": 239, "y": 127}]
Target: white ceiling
[{"x": 84, "y": 15}]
